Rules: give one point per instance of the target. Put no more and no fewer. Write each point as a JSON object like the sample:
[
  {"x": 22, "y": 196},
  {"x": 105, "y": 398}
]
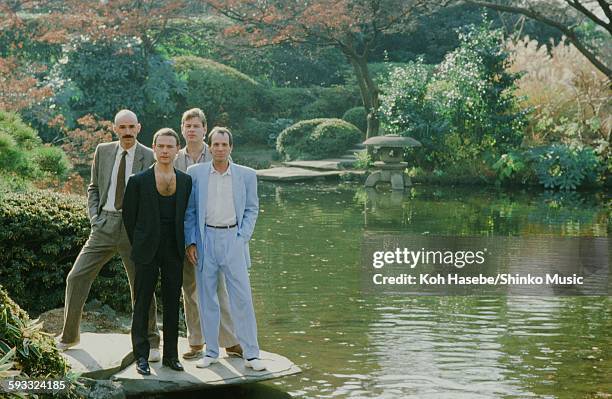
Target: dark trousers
[{"x": 170, "y": 264}]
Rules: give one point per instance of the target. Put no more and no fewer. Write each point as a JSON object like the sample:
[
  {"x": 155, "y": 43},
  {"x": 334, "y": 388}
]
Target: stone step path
[
  {"x": 322, "y": 164},
  {"x": 301, "y": 174},
  {"x": 109, "y": 357},
  {"x": 318, "y": 169}
]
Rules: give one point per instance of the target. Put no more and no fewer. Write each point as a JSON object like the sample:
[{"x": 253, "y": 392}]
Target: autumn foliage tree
[
  {"x": 20, "y": 72},
  {"x": 354, "y": 27},
  {"x": 33, "y": 32}
]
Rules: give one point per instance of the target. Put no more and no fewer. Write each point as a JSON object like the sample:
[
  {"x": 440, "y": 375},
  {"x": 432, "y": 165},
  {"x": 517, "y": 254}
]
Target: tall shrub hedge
[
  {"x": 317, "y": 139},
  {"x": 224, "y": 93},
  {"x": 41, "y": 234}
]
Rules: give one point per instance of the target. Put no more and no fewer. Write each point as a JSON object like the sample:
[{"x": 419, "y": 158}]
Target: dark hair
[
  {"x": 220, "y": 130},
  {"x": 166, "y": 131}
]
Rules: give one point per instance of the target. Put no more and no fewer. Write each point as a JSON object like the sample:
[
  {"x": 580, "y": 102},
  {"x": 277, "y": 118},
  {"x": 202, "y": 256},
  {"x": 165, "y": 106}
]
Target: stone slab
[
  {"x": 323, "y": 164},
  {"x": 109, "y": 356},
  {"x": 294, "y": 174},
  {"x": 99, "y": 356}
]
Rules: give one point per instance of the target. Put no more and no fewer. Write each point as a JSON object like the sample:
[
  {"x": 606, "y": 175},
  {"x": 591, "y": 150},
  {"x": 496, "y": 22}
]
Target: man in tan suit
[
  {"x": 193, "y": 127},
  {"x": 112, "y": 165}
]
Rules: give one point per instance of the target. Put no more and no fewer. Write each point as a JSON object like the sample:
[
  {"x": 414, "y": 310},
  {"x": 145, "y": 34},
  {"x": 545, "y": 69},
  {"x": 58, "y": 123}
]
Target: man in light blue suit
[{"x": 219, "y": 222}]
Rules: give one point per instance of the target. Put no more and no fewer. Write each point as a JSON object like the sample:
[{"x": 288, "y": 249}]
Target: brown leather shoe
[
  {"x": 195, "y": 352},
  {"x": 235, "y": 351}
]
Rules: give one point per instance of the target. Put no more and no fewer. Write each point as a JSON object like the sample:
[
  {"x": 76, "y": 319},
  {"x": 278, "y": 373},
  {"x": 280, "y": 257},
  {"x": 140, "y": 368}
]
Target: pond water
[{"x": 311, "y": 306}]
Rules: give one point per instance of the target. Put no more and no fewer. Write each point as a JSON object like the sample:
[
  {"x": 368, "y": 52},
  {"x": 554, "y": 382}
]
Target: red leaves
[
  {"x": 81, "y": 142},
  {"x": 18, "y": 87}
]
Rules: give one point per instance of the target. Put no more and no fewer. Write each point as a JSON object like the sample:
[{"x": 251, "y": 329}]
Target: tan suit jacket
[{"x": 102, "y": 169}]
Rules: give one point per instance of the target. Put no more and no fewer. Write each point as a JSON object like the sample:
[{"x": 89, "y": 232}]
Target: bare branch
[{"x": 582, "y": 9}]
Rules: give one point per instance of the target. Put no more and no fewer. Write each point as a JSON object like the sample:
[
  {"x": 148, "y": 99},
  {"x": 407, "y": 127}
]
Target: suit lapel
[
  {"x": 107, "y": 161},
  {"x": 152, "y": 192},
  {"x": 180, "y": 193},
  {"x": 203, "y": 197},
  {"x": 138, "y": 164},
  {"x": 237, "y": 188}
]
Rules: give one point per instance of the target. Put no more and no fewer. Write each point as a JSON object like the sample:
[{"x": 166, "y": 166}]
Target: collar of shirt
[
  {"x": 130, "y": 152},
  {"x": 214, "y": 171},
  {"x": 194, "y": 161}
]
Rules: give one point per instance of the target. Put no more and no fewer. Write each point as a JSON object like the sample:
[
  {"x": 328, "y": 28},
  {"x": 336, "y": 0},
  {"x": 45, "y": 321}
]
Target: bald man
[{"x": 112, "y": 166}]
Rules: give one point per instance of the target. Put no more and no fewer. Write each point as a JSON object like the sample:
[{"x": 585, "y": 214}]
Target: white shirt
[
  {"x": 220, "y": 202},
  {"x": 129, "y": 162}
]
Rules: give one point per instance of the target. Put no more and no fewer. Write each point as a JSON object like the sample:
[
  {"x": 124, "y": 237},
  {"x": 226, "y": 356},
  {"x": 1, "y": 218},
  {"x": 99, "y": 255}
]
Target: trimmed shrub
[
  {"x": 225, "y": 94},
  {"x": 358, "y": 117},
  {"x": 33, "y": 352},
  {"x": 317, "y": 139},
  {"x": 41, "y": 234}
]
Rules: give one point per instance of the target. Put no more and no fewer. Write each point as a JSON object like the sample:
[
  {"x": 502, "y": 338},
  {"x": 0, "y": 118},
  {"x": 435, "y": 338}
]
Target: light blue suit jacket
[{"x": 246, "y": 205}]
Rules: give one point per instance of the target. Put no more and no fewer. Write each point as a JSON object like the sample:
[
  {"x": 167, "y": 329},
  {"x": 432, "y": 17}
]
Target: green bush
[
  {"x": 101, "y": 77},
  {"x": 22, "y": 154},
  {"x": 41, "y": 234},
  {"x": 317, "y": 139},
  {"x": 25, "y": 137},
  {"x": 559, "y": 166},
  {"x": 510, "y": 167},
  {"x": 226, "y": 95},
  {"x": 12, "y": 160},
  {"x": 331, "y": 102},
  {"x": 255, "y": 131},
  {"x": 464, "y": 110},
  {"x": 51, "y": 160},
  {"x": 285, "y": 102},
  {"x": 35, "y": 354},
  {"x": 358, "y": 117}
]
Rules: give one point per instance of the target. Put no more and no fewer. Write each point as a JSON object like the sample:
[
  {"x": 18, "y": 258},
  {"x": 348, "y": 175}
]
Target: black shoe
[
  {"x": 142, "y": 366},
  {"x": 173, "y": 363}
]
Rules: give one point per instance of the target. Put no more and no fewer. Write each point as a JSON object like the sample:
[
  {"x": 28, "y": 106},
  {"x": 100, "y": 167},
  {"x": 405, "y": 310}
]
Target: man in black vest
[{"x": 153, "y": 213}]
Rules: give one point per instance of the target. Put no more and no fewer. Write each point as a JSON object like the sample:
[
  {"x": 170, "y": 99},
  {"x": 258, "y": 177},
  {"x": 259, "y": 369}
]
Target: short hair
[
  {"x": 194, "y": 113},
  {"x": 123, "y": 113},
  {"x": 166, "y": 131},
  {"x": 220, "y": 130}
]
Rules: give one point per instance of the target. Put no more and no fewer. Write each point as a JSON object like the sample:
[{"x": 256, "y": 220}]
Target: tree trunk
[{"x": 368, "y": 90}]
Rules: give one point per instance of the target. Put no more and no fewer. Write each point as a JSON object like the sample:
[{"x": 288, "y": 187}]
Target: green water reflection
[{"x": 311, "y": 308}]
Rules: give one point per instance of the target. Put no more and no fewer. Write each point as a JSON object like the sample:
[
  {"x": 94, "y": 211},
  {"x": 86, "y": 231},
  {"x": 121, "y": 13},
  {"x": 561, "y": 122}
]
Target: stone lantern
[{"x": 390, "y": 149}]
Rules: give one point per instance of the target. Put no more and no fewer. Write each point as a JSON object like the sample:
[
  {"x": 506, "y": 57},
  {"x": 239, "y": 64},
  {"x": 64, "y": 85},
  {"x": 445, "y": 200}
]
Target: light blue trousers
[{"x": 224, "y": 253}]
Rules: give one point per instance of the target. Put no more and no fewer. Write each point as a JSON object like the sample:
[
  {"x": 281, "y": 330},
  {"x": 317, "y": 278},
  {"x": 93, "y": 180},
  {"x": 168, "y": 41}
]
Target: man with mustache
[
  {"x": 112, "y": 166},
  {"x": 193, "y": 127}
]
